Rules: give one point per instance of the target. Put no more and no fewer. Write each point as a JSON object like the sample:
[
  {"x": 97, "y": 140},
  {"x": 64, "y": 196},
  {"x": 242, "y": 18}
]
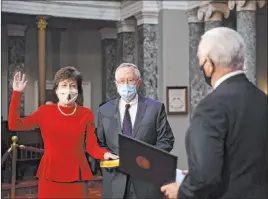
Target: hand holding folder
[{"x": 171, "y": 190}]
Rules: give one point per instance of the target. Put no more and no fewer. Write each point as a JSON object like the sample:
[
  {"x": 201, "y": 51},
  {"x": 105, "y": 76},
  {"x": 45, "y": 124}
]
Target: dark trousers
[{"x": 130, "y": 191}]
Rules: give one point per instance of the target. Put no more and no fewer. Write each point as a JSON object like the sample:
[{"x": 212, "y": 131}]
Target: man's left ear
[
  {"x": 210, "y": 67},
  {"x": 115, "y": 82}
]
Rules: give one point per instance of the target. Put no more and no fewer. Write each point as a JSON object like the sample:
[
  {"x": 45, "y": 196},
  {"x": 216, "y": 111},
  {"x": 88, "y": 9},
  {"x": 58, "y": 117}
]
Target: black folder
[{"x": 146, "y": 162}]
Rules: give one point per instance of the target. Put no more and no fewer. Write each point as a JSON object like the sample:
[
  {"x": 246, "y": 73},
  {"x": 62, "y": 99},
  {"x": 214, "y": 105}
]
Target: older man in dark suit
[
  {"x": 133, "y": 115},
  {"x": 227, "y": 142}
]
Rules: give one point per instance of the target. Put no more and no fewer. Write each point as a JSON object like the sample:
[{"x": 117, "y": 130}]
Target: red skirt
[{"x": 51, "y": 189}]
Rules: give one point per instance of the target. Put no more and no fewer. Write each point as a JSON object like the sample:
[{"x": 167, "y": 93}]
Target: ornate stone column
[
  {"x": 230, "y": 22},
  {"x": 246, "y": 26},
  {"x": 212, "y": 14},
  {"x": 198, "y": 88},
  {"x": 147, "y": 44},
  {"x": 109, "y": 42},
  {"x": 126, "y": 42},
  {"x": 16, "y": 56},
  {"x": 42, "y": 24},
  {"x": 4, "y": 72}
]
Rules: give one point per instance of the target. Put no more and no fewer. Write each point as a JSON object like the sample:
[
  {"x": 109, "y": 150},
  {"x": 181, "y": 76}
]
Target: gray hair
[
  {"x": 224, "y": 46},
  {"x": 124, "y": 65}
]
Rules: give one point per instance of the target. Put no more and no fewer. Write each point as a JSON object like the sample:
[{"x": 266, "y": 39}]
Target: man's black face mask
[{"x": 207, "y": 79}]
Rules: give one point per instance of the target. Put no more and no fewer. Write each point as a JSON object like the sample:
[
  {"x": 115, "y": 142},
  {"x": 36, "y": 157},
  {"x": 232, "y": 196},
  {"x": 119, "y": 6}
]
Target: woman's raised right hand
[{"x": 19, "y": 82}]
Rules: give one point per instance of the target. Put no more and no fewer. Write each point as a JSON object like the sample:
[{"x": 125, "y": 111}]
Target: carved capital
[
  {"x": 147, "y": 18},
  {"x": 126, "y": 26},
  {"x": 42, "y": 22},
  {"x": 213, "y": 12},
  {"x": 192, "y": 16},
  {"x": 108, "y": 33},
  {"x": 16, "y": 30},
  {"x": 246, "y": 4}
]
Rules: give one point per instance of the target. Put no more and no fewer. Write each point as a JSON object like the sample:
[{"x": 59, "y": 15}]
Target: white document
[{"x": 179, "y": 176}]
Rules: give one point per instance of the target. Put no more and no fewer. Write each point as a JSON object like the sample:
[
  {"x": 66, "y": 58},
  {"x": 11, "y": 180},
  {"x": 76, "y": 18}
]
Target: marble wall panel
[
  {"x": 213, "y": 24},
  {"x": 125, "y": 48},
  {"x": 147, "y": 35},
  {"x": 230, "y": 22},
  {"x": 198, "y": 88},
  {"x": 246, "y": 27},
  {"x": 16, "y": 60},
  {"x": 109, "y": 67}
]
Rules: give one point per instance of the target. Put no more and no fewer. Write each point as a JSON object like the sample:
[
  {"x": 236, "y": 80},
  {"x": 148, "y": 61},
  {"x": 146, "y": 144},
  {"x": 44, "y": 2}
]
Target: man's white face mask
[{"x": 66, "y": 95}]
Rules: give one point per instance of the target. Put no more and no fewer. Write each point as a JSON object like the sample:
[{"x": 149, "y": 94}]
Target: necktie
[{"x": 127, "y": 126}]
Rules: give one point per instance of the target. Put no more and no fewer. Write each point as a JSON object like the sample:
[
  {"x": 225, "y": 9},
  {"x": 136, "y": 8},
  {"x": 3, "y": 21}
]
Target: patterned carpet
[{"x": 28, "y": 189}]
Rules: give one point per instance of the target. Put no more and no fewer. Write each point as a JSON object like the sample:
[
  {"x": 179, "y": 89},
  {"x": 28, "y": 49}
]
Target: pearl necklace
[{"x": 65, "y": 114}]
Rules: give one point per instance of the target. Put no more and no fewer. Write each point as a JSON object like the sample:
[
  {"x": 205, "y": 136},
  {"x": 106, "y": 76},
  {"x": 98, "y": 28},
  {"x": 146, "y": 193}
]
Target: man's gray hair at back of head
[
  {"x": 224, "y": 46},
  {"x": 125, "y": 65}
]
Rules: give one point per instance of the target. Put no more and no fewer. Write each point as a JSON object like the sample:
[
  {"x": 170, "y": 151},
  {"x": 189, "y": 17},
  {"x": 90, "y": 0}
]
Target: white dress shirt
[
  {"x": 227, "y": 76},
  {"x": 132, "y": 110}
]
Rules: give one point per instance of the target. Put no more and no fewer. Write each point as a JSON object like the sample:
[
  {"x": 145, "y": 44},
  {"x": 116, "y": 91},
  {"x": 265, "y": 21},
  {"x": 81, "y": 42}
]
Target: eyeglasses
[{"x": 128, "y": 81}]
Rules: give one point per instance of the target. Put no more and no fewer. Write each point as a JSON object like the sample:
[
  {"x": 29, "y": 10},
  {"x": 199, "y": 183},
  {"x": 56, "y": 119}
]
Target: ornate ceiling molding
[
  {"x": 195, "y": 4},
  {"x": 173, "y": 5},
  {"x": 147, "y": 8},
  {"x": 128, "y": 25},
  {"x": 213, "y": 12},
  {"x": 16, "y": 30},
  {"x": 192, "y": 16},
  {"x": 108, "y": 33},
  {"x": 98, "y": 10},
  {"x": 144, "y": 11},
  {"x": 246, "y": 4}
]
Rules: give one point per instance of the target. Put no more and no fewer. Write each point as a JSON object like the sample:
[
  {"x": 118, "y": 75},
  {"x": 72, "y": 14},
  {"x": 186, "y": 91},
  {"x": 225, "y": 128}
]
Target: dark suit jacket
[
  {"x": 151, "y": 126},
  {"x": 227, "y": 143}
]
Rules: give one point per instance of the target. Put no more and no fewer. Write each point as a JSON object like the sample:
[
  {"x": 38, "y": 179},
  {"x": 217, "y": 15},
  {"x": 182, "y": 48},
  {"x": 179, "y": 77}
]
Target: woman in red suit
[{"x": 63, "y": 171}]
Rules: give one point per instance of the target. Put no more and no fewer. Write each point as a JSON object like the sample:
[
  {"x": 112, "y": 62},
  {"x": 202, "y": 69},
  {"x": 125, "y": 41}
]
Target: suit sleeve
[
  {"x": 15, "y": 122},
  {"x": 205, "y": 150},
  {"x": 92, "y": 146},
  {"x": 165, "y": 137},
  {"x": 100, "y": 131}
]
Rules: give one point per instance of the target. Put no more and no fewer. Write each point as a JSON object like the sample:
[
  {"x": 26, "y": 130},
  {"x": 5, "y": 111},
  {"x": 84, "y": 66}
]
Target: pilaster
[
  {"x": 16, "y": 56},
  {"x": 108, "y": 42}
]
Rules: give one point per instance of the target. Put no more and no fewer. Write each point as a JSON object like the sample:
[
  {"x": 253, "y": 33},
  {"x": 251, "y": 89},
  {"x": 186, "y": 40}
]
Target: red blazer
[{"x": 64, "y": 157}]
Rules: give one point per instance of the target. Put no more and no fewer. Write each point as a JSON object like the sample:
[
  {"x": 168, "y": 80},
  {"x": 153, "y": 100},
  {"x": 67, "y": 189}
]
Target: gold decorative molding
[
  {"x": 42, "y": 25},
  {"x": 213, "y": 12},
  {"x": 42, "y": 22},
  {"x": 245, "y": 4}
]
